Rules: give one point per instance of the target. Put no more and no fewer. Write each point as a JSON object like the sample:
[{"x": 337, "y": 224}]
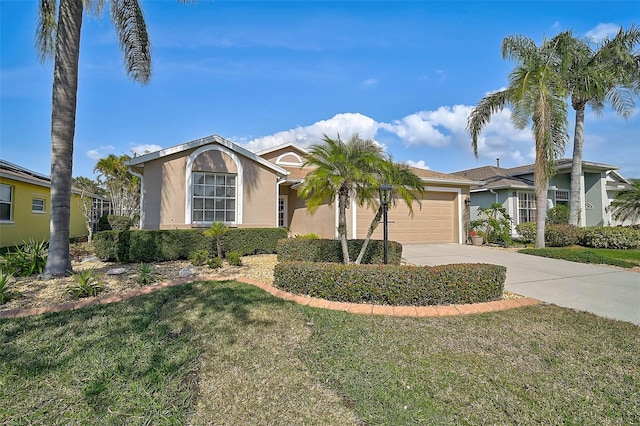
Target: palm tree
[
  {"x": 535, "y": 93},
  {"x": 406, "y": 185},
  {"x": 60, "y": 39},
  {"x": 609, "y": 74},
  {"x": 123, "y": 189},
  {"x": 626, "y": 206},
  {"x": 217, "y": 231},
  {"x": 340, "y": 169}
]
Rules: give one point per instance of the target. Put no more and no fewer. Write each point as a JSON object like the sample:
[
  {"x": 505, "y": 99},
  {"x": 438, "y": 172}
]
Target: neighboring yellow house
[{"x": 25, "y": 206}]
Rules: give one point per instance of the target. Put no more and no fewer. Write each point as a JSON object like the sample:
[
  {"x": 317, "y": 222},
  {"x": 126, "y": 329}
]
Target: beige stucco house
[{"x": 213, "y": 179}]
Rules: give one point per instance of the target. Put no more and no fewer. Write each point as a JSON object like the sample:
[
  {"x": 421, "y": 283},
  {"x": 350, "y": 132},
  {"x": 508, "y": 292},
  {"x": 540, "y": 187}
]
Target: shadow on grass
[{"x": 134, "y": 355}]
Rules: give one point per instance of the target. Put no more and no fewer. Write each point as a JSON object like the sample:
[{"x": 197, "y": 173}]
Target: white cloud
[
  {"x": 145, "y": 148},
  {"x": 94, "y": 154},
  {"x": 602, "y": 31},
  {"x": 417, "y": 129},
  {"x": 369, "y": 83},
  {"x": 345, "y": 124},
  {"x": 431, "y": 128},
  {"x": 443, "y": 128},
  {"x": 419, "y": 164},
  {"x": 101, "y": 152}
]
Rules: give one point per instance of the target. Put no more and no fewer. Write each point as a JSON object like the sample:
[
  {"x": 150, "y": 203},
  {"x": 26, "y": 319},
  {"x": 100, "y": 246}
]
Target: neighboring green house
[
  {"x": 513, "y": 189},
  {"x": 25, "y": 206}
]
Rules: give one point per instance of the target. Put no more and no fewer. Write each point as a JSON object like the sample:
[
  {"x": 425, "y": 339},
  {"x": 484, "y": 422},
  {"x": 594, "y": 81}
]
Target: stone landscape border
[{"x": 354, "y": 308}]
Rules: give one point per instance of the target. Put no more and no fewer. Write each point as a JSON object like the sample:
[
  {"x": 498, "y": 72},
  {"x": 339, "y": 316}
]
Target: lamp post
[{"x": 385, "y": 198}]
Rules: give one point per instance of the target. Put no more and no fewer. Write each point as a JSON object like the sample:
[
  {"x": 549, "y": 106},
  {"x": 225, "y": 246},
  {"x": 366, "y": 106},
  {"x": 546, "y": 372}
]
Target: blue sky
[{"x": 266, "y": 73}]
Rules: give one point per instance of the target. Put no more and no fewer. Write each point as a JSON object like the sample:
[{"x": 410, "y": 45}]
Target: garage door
[{"x": 436, "y": 222}]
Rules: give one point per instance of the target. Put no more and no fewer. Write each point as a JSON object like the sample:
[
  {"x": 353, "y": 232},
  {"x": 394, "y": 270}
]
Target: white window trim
[
  {"x": 189, "y": 182},
  {"x": 12, "y": 196},
  {"x": 44, "y": 205},
  {"x": 517, "y": 215},
  {"x": 289, "y": 163}
]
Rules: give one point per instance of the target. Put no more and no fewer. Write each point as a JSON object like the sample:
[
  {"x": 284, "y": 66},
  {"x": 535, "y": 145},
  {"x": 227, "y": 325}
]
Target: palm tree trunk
[
  {"x": 541, "y": 212},
  {"x": 575, "y": 200},
  {"x": 342, "y": 225},
  {"x": 63, "y": 122},
  {"x": 372, "y": 228}
]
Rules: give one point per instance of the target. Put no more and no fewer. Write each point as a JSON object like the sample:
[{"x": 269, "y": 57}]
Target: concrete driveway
[{"x": 602, "y": 290}]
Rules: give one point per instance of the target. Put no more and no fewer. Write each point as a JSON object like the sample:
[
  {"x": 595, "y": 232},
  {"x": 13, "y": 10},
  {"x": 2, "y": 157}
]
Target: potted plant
[
  {"x": 476, "y": 234},
  {"x": 476, "y": 238}
]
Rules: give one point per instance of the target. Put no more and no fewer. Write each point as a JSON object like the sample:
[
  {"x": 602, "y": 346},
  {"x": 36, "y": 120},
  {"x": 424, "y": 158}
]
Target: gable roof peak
[
  {"x": 282, "y": 146},
  {"x": 196, "y": 143}
]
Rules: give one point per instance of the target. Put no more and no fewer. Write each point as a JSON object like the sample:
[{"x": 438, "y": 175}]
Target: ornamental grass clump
[
  {"x": 28, "y": 259},
  {"x": 5, "y": 293},
  {"x": 86, "y": 285},
  {"x": 146, "y": 274}
]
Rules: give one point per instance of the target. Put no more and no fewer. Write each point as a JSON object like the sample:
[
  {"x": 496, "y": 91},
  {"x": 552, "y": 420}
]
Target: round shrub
[
  {"x": 561, "y": 235},
  {"x": 119, "y": 223},
  {"x": 198, "y": 257},
  {"x": 393, "y": 284},
  {"x": 527, "y": 231}
]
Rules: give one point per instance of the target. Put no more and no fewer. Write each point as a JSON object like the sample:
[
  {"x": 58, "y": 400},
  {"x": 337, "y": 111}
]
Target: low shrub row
[
  {"x": 626, "y": 237},
  {"x": 174, "y": 244},
  {"x": 393, "y": 284},
  {"x": 325, "y": 250},
  {"x": 621, "y": 237}
]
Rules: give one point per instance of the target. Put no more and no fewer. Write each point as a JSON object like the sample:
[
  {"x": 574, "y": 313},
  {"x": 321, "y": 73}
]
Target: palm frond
[
  {"x": 46, "y": 30},
  {"x": 481, "y": 114},
  {"x": 626, "y": 206},
  {"x": 133, "y": 38}
]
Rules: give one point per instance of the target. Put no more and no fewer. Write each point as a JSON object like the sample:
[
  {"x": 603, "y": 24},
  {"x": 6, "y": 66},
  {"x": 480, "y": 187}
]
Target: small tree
[
  {"x": 496, "y": 222},
  {"x": 88, "y": 189},
  {"x": 341, "y": 170},
  {"x": 122, "y": 187},
  {"x": 217, "y": 230}
]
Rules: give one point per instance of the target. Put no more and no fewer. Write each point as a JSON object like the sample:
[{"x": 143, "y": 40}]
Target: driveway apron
[{"x": 602, "y": 290}]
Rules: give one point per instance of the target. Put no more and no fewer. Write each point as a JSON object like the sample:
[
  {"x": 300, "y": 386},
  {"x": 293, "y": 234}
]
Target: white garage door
[{"x": 435, "y": 222}]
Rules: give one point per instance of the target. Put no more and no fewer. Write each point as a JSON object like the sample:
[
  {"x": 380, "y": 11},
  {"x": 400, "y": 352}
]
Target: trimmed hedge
[
  {"x": 325, "y": 250},
  {"x": 562, "y": 235},
  {"x": 611, "y": 237},
  {"x": 178, "y": 244},
  {"x": 393, "y": 284},
  {"x": 250, "y": 241}
]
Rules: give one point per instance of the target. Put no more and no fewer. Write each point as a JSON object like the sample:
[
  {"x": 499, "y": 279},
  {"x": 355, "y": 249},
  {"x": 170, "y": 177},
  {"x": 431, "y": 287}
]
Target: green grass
[
  {"x": 621, "y": 258},
  {"x": 228, "y": 353}
]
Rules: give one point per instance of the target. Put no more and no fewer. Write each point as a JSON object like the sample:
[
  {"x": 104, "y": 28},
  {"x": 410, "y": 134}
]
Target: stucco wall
[
  {"x": 27, "y": 224},
  {"x": 164, "y": 192},
  {"x": 165, "y": 189},
  {"x": 260, "y": 205},
  {"x": 593, "y": 199},
  {"x": 322, "y": 222}
]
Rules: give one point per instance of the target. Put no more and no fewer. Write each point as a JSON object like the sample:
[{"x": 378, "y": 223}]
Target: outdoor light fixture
[
  {"x": 385, "y": 198},
  {"x": 467, "y": 202}
]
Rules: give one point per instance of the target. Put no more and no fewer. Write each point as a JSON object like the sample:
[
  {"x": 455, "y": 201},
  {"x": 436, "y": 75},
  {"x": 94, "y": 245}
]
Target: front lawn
[
  {"x": 229, "y": 353},
  {"x": 622, "y": 258}
]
